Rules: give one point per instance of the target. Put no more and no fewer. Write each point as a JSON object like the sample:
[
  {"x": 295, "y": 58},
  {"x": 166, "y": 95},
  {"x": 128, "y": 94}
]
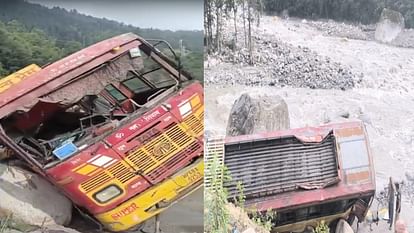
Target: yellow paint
[
  {"x": 143, "y": 159},
  {"x": 85, "y": 170},
  {"x": 95, "y": 172},
  {"x": 195, "y": 101},
  {"x": 116, "y": 49},
  {"x": 18, "y": 76},
  {"x": 150, "y": 161},
  {"x": 165, "y": 194}
]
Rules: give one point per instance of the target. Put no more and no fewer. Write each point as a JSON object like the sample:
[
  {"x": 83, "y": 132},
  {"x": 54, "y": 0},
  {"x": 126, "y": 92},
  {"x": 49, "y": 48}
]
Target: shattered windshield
[{"x": 67, "y": 119}]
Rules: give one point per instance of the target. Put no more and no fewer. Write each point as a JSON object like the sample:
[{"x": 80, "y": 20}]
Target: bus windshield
[{"x": 91, "y": 105}]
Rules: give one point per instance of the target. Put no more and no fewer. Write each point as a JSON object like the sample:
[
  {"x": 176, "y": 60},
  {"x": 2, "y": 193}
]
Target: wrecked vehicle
[
  {"x": 305, "y": 175},
  {"x": 117, "y": 127},
  {"x": 6, "y": 83}
]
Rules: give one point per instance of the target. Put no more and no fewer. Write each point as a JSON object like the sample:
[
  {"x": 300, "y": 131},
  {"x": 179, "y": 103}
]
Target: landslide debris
[{"x": 279, "y": 64}]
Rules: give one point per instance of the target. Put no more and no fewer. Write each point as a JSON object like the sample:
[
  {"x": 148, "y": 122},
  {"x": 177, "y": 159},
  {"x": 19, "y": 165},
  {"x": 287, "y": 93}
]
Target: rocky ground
[
  {"x": 338, "y": 77},
  {"x": 33, "y": 205}
]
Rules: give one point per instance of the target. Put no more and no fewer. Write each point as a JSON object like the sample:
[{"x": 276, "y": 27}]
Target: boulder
[
  {"x": 390, "y": 25},
  {"x": 29, "y": 200},
  {"x": 55, "y": 229},
  {"x": 256, "y": 115}
]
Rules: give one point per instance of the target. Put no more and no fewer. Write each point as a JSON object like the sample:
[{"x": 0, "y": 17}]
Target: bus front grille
[
  {"x": 270, "y": 166},
  {"x": 195, "y": 122},
  {"x": 158, "y": 151},
  {"x": 156, "y": 160}
]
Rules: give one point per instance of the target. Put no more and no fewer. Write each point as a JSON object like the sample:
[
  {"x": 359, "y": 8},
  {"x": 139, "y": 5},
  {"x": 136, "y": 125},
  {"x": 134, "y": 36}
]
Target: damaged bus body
[
  {"x": 116, "y": 127},
  {"x": 305, "y": 175}
]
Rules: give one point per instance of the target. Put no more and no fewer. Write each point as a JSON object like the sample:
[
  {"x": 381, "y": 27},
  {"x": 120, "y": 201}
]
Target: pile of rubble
[
  {"x": 280, "y": 64},
  {"x": 332, "y": 28}
]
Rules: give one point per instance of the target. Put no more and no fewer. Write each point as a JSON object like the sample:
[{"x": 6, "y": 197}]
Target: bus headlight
[{"x": 107, "y": 194}]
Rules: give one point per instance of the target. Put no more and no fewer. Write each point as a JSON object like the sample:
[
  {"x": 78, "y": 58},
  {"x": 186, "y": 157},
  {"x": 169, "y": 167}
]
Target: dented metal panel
[
  {"x": 17, "y": 77},
  {"x": 63, "y": 71},
  {"x": 261, "y": 164},
  {"x": 277, "y": 165}
]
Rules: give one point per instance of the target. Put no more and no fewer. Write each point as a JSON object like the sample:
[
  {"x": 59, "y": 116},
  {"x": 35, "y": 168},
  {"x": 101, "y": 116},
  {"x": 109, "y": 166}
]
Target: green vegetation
[
  {"x": 241, "y": 198},
  {"x": 7, "y": 222},
  {"x": 216, "y": 216},
  {"x": 321, "y": 228},
  {"x": 20, "y": 47},
  {"x": 31, "y": 33},
  {"x": 359, "y": 11},
  {"x": 261, "y": 219},
  {"x": 264, "y": 220},
  {"x": 4, "y": 223}
]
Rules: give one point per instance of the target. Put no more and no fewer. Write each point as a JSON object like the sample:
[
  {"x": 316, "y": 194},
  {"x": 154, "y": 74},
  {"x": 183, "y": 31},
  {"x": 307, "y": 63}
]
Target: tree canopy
[
  {"x": 360, "y": 11},
  {"x": 31, "y": 33}
]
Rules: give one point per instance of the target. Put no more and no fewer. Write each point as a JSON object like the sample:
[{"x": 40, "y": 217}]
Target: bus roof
[
  {"x": 51, "y": 77},
  {"x": 18, "y": 76},
  {"x": 297, "y": 167}
]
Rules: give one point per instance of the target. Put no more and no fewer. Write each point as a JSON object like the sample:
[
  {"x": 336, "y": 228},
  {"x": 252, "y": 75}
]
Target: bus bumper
[{"x": 154, "y": 200}]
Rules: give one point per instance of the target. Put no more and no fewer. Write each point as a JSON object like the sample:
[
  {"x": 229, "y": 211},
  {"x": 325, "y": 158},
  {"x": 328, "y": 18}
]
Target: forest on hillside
[
  {"x": 31, "y": 33},
  {"x": 358, "y": 11},
  {"x": 249, "y": 12}
]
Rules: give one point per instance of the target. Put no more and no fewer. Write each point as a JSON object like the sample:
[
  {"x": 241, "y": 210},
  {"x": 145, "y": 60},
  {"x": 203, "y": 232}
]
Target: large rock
[
  {"x": 390, "y": 25},
  {"x": 30, "y": 200},
  {"x": 256, "y": 115},
  {"x": 55, "y": 229}
]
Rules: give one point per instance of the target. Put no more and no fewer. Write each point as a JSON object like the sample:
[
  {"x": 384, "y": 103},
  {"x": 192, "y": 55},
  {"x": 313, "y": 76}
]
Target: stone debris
[
  {"x": 390, "y": 25},
  {"x": 31, "y": 200},
  {"x": 345, "y": 30},
  {"x": 280, "y": 64}
]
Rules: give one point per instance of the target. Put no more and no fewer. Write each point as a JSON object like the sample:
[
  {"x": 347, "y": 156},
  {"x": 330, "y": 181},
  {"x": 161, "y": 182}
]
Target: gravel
[
  {"x": 350, "y": 31},
  {"x": 283, "y": 65}
]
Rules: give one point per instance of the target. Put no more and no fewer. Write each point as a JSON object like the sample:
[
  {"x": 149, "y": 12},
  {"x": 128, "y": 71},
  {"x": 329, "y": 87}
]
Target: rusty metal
[
  {"x": 276, "y": 165},
  {"x": 7, "y": 141},
  {"x": 288, "y": 171}
]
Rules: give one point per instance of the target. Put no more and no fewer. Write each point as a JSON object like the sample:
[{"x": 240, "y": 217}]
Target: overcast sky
[{"x": 161, "y": 14}]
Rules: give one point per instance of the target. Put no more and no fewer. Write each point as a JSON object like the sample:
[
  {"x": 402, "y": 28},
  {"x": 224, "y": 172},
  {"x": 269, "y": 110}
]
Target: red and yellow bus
[
  {"x": 304, "y": 175},
  {"x": 117, "y": 127}
]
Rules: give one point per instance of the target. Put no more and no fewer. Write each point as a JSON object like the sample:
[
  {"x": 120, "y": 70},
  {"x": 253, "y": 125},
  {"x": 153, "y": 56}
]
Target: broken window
[
  {"x": 91, "y": 105},
  {"x": 312, "y": 212}
]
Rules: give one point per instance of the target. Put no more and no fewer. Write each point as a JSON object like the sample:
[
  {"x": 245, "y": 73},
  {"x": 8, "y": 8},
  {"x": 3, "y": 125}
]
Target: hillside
[
  {"x": 59, "y": 32},
  {"x": 355, "y": 11}
]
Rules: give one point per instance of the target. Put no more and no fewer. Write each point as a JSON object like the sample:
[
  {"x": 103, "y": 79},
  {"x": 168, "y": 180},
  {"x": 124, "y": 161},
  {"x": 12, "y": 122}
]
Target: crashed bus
[
  {"x": 117, "y": 127},
  {"x": 304, "y": 175}
]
